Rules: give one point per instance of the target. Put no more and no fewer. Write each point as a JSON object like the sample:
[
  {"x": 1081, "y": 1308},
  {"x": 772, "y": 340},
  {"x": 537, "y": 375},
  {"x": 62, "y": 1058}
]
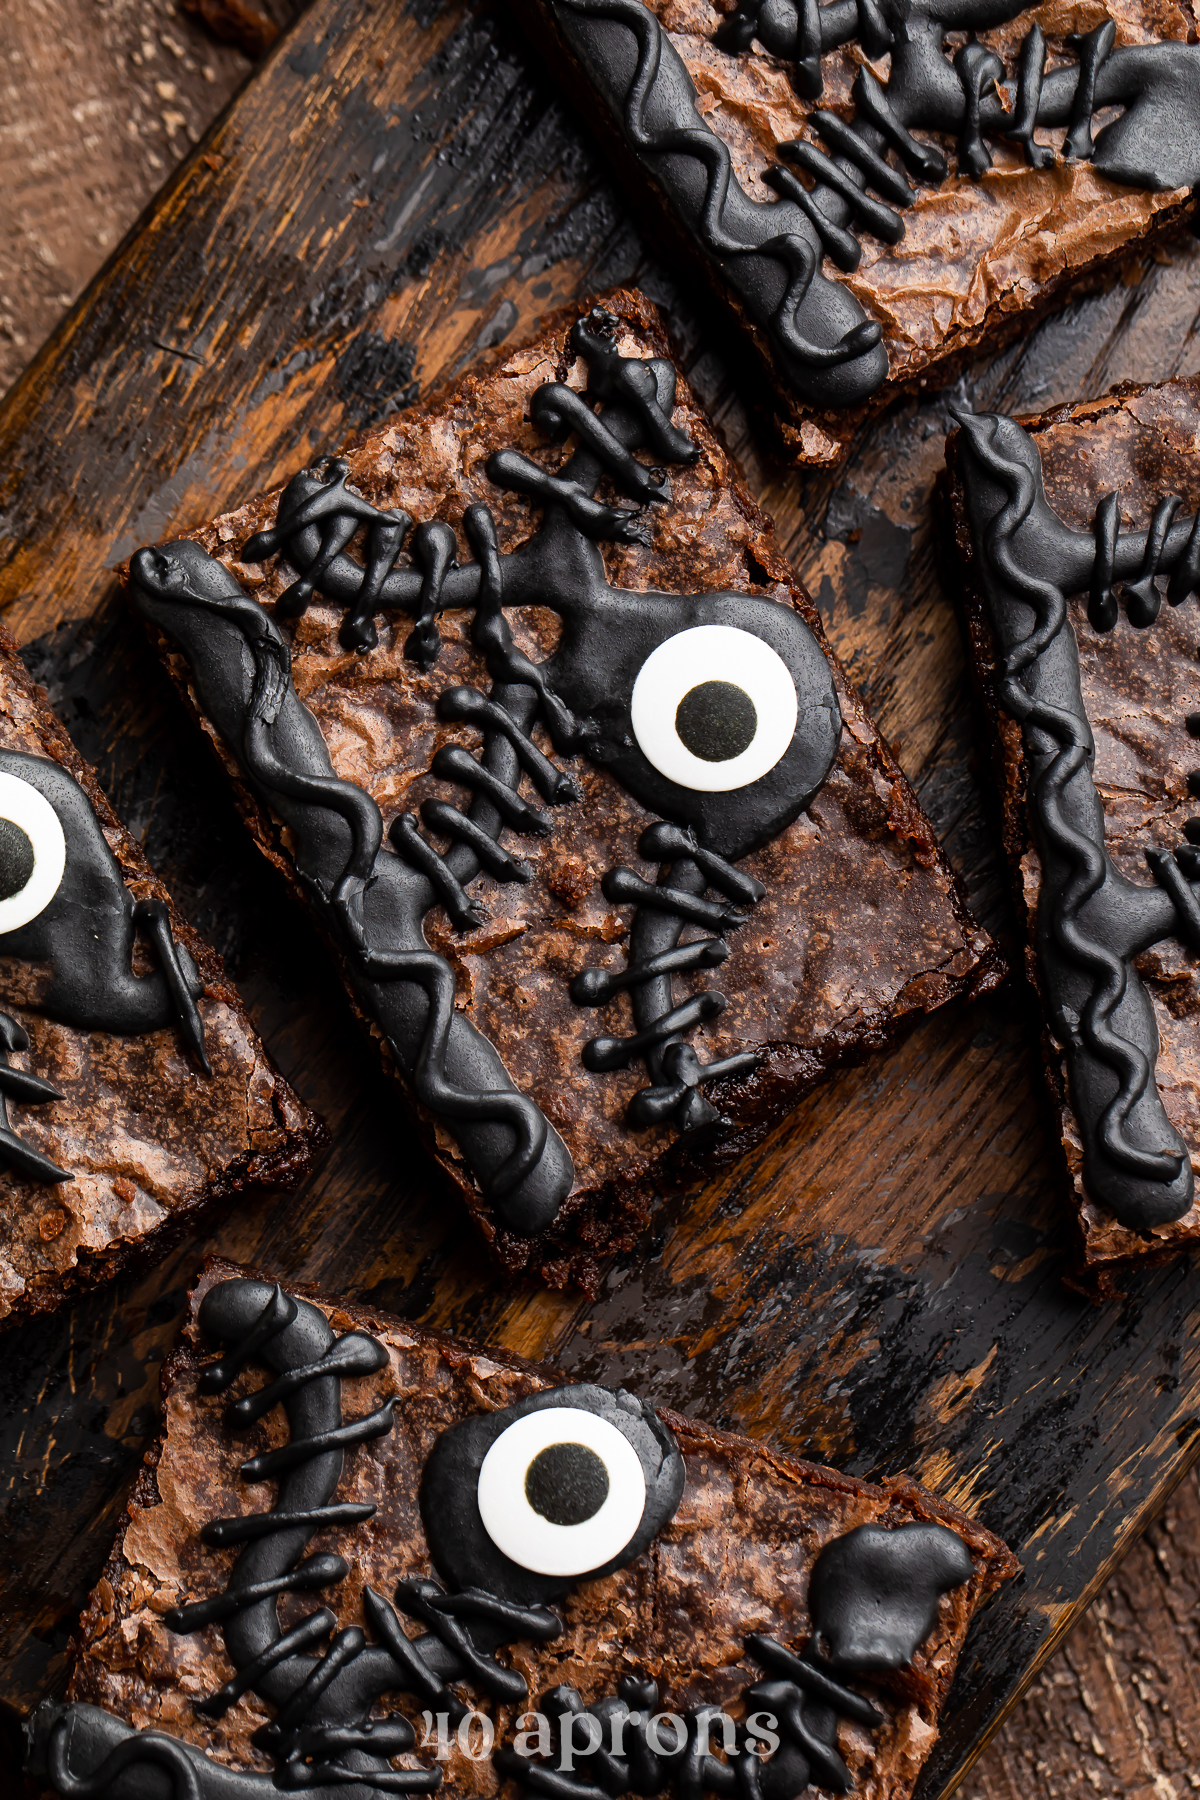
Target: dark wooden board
[{"x": 880, "y": 1285}]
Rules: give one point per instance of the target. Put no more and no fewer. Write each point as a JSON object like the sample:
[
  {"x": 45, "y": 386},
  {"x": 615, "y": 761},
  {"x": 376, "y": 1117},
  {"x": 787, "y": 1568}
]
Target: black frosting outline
[
  {"x": 770, "y": 254},
  {"x": 1092, "y": 921},
  {"x": 455, "y": 1531},
  {"x": 86, "y": 933},
  {"x": 373, "y": 896},
  {"x": 869, "y": 1588}
]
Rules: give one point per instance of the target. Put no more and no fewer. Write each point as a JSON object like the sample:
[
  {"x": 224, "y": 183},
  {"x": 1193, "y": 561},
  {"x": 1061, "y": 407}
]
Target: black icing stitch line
[
  {"x": 655, "y": 955},
  {"x": 873, "y": 1596},
  {"x": 803, "y": 1701},
  {"x": 1154, "y": 144},
  {"x": 15, "y": 1084},
  {"x": 1092, "y": 921},
  {"x": 581, "y": 695}
]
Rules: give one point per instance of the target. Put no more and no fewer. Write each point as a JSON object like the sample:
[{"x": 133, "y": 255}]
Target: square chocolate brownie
[
  {"x": 134, "y": 1093},
  {"x": 873, "y": 190},
  {"x": 548, "y": 738},
  {"x": 1077, "y": 545},
  {"x": 555, "y": 1586}
]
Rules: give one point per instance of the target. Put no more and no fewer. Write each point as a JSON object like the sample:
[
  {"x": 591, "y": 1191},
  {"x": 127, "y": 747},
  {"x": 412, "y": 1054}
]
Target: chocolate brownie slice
[
  {"x": 134, "y": 1094},
  {"x": 1069, "y": 533},
  {"x": 478, "y": 1541},
  {"x": 688, "y": 877},
  {"x": 874, "y": 190}
]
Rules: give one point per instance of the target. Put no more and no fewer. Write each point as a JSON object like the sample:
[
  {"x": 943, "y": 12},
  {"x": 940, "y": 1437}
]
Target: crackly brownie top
[
  {"x": 1124, "y": 474},
  {"x": 109, "y": 1004},
  {"x": 880, "y": 185},
  {"x": 973, "y": 245},
  {"x": 850, "y": 914},
  {"x": 584, "y": 1544}
]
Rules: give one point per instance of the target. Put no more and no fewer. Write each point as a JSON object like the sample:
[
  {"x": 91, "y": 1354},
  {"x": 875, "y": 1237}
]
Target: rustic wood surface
[{"x": 880, "y": 1284}]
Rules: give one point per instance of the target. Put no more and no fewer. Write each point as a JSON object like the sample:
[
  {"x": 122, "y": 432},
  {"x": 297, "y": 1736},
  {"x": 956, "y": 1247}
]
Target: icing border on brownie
[
  {"x": 1092, "y": 921},
  {"x": 372, "y": 896},
  {"x": 874, "y": 1598}
]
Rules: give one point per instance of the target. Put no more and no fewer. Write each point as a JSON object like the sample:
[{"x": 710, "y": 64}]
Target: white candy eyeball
[
  {"x": 561, "y": 1491},
  {"x": 33, "y": 853},
  {"x": 714, "y": 708}
]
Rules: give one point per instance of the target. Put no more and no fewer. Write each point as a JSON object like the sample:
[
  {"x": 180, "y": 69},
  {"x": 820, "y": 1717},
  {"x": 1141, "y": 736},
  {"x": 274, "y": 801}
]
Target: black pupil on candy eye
[
  {"x": 566, "y": 1484},
  {"x": 16, "y": 859},
  {"x": 716, "y": 721}
]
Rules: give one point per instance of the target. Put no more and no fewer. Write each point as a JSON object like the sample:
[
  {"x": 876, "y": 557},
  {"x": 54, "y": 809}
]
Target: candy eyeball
[
  {"x": 561, "y": 1491},
  {"x": 714, "y": 708},
  {"x": 33, "y": 853}
]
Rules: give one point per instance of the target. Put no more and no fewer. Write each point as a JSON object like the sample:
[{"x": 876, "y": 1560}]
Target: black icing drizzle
[
  {"x": 771, "y": 254},
  {"x": 1092, "y": 921},
  {"x": 373, "y": 895},
  {"x": 85, "y": 934},
  {"x": 873, "y": 1597}
]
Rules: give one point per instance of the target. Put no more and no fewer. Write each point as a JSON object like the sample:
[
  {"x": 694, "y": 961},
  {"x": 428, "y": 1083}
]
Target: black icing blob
[
  {"x": 603, "y": 648},
  {"x": 86, "y": 931},
  {"x": 462, "y": 1550},
  {"x": 1093, "y": 921},
  {"x": 16, "y": 859},
  {"x": 770, "y": 257},
  {"x": 716, "y": 721},
  {"x": 874, "y": 1593},
  {"x": 566, "y": 1484}
]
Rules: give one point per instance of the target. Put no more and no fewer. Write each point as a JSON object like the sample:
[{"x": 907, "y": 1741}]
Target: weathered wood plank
[{"x": 879, "y": 1284}]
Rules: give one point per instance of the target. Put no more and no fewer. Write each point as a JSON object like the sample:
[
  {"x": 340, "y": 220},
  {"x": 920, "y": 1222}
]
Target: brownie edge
[
  {"x": 154, "y": 1146},
  {"x": 1137, "y": 687},
  {"x": 859, "y": 927},
  {"x": 740, "y": 1559}
]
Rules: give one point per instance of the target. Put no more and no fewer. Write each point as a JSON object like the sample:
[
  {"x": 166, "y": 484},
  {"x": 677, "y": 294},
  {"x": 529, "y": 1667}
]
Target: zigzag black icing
[
  {"x": 1092, "y": 921},
  {"x": 374, "y": 896},
  {"x": 768, "y": 251},
  {"x": 770, "y": 255}
]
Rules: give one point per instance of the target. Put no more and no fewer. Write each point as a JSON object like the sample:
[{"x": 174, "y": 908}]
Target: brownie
[
  {"x": 672, "y": 944},
  {"x": 134, "y": 1093},
  {"x": 770, "y": 145},
  {"x": 1068, "y": 533},
  {"x": 477, "y": 1539}
]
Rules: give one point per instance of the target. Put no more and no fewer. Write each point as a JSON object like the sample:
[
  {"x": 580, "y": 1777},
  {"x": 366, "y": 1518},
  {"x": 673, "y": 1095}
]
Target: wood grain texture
[
  {"x": 1116, "y": 1711},
  {"x": 879, "y": 1284},
  {"x": 98, "y": 101}
]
